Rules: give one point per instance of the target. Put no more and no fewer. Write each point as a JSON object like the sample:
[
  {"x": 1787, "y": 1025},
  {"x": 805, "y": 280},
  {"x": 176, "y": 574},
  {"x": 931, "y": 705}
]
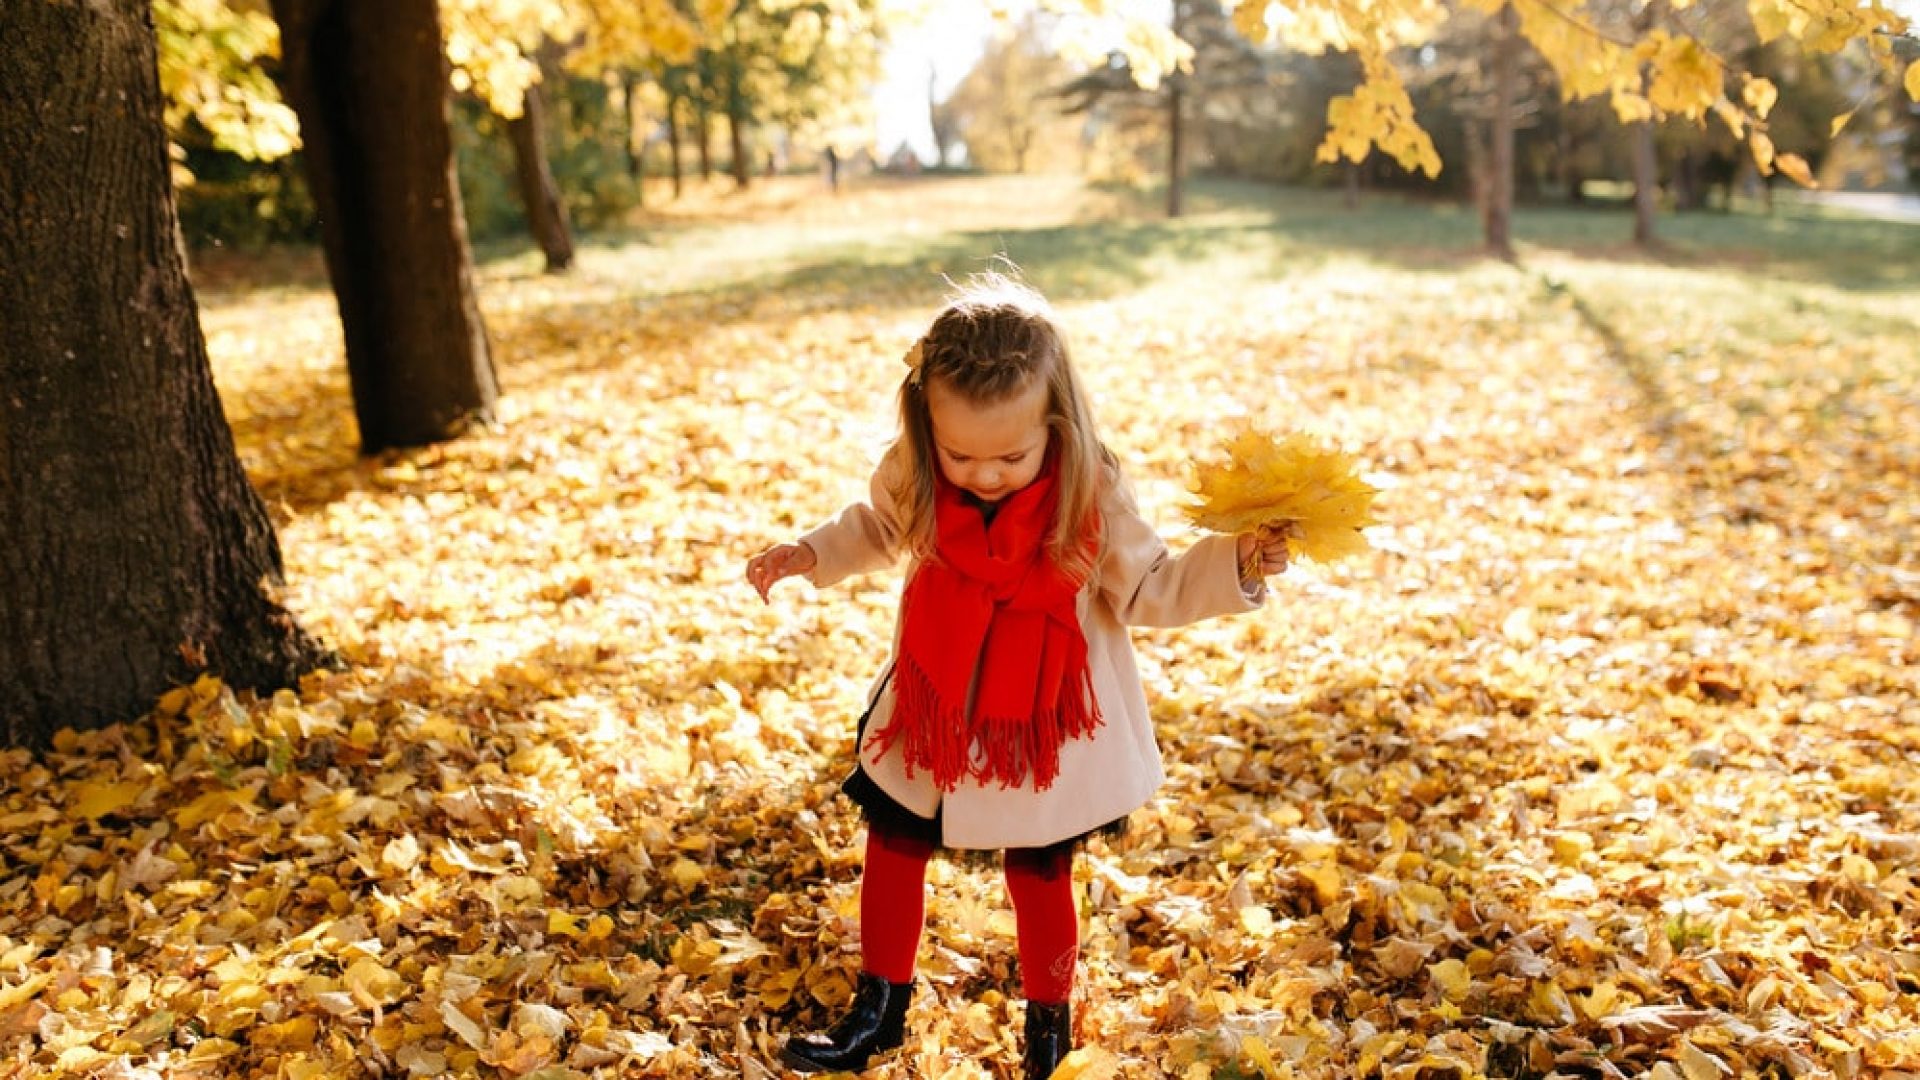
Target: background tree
[
  {"x": 1477, "y": 86},
  {"x": 1658, "y": 68},
  {"x": 803, "y": 67},
  {"x": 210, "y": 57},
  {"x": 1222, "y": 79},
  {"x": 136, "y": 551},
  {"x": 505, "y": 54},
  {"x": 372, "y": 92},
  {"x": 1909, "y": 112},
  {"x": 814, "y": 77},
  {"x": 1003, "y": 108},
  {"x": 546, "y": 210},
  {"x": 231, "y": 135},
  {"x": 944, "y": 121}
]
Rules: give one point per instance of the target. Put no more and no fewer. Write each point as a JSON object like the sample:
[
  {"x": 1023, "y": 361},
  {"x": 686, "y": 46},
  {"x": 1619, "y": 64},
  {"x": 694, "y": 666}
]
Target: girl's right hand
[{"x": 775, "y": 563}]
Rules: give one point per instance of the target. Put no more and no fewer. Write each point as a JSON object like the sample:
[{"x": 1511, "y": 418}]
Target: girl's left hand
[{"x": 1266, "y": 551}]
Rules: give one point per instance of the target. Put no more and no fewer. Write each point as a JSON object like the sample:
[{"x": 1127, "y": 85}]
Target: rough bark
[
  {"x": 546, "y": 212},
  {"x": 135, "y": 550},
  {"x": 369, "y": 83}
]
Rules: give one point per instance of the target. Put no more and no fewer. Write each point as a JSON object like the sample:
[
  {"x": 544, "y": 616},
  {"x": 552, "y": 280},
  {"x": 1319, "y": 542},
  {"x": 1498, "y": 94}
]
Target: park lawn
[{"x": 1601, "y": 759}]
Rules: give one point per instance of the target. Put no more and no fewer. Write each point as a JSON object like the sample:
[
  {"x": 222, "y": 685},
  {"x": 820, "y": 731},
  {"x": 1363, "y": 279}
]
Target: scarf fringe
[
  {"x": 1015, "y": 747},
  {"x": 935, "y": 742}
]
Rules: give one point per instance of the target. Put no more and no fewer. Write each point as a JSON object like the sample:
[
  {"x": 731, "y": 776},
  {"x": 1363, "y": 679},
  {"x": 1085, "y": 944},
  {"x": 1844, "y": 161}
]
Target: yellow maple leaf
[
  {"x": 1773, "y": 19},
  {"x": 95, "y": 801},
  {"x": 1289, "y": 483},
  {"x": 1913, "y": 80},
  {"x": 1452, "y": 978},
  {"x": 25, "y": 991},
  {"x": 1256, "y": 1051},
  {"x": 1796, "y": 169},
  {"x": 371, "y": 984},
  {"x": 1086, "y": 1063},
  {"x": 297, "y": 1033},
  {"x": 1686, "y": 77},
  {"x": 1325, "y": 879}
]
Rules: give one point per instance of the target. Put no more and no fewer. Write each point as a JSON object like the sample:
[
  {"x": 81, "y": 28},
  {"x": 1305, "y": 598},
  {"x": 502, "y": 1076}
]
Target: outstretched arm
[
  {"x": 863, "y": 537},
  {"x": 1148, "y": 586},
  {"x": 780, "y": 561}
]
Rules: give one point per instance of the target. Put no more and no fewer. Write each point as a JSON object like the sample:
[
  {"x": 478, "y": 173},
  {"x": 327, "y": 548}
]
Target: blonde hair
[{"x": 992, "y": 339}]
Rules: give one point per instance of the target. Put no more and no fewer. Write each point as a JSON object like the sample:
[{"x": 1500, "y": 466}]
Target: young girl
[{"x": 1011, "y": 716}]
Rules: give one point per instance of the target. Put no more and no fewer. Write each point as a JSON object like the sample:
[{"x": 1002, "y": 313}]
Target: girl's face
[{"x": 990, "y": 450}]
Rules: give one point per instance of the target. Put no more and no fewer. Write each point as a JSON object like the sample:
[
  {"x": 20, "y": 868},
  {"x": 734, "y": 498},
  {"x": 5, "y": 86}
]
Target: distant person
[
  {"x": 833, "y": 169},
  {"x": 1010, "y": 716}
]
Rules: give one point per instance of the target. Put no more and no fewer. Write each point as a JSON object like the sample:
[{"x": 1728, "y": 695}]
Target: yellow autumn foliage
[{"x": 1289, "y": 482}]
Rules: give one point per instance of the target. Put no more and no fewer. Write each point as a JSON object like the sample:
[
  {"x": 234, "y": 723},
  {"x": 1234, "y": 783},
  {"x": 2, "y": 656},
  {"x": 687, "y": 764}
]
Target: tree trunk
[
  {"x": 937, "y": 121},
  {"x": 1351, "y": 185},
  {"x": 1568, "y": 145},
  {"x": 1646, "y": 165},
  {"x": 1479, "y": 163},
  {"x": 673, "y": 141},
  {"x": 369, "y": 84},
  {"x": 1499, "y": 205},
  {"x": 546, "y": 212},
  {"x": 703, "y": 133},
  {"x": 135, "y": 550},
  {"x": 737, "y": 136},
  {"x": 636, "y": 145},
  {"x": 1689, "y": 185},
  {"x": 1176, "y": 148},
  {"x": 1646, "y": 183}
]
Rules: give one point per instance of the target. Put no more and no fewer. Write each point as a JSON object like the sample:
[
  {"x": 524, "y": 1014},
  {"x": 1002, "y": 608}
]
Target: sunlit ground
[{"x": 1603, "y": 754}]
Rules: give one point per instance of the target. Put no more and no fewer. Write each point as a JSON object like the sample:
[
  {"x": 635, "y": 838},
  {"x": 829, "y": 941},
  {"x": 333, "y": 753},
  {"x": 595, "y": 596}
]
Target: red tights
[{"x": 893, "y": 908}]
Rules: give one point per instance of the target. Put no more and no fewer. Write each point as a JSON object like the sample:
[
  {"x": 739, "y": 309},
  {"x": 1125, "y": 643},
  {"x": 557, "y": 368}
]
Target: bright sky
[{"x": 943, "y": 47}]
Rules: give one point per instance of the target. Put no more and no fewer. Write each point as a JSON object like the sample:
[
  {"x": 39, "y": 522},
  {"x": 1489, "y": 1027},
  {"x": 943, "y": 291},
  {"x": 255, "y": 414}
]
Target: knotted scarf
[{"x": 991, "y": 603}]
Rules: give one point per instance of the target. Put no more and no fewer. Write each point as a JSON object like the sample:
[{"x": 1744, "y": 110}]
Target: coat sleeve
[
  {"x": 863, "y": 537},
  {"x": 1148, "y": 586}
]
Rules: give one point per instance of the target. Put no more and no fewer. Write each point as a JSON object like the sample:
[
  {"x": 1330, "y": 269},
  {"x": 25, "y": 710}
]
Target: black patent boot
[
  {"x": 875, "y": 1023},
  {"x": 1049, "y": 1038}
]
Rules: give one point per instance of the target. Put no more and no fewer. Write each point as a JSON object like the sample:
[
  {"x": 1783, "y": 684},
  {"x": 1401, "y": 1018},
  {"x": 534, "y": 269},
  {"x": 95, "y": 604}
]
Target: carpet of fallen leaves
[{"x": 1600, "y": 763}]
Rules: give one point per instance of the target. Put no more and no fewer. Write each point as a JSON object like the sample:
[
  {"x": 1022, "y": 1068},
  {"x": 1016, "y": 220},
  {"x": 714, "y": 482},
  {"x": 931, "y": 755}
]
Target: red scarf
[{"x": 991, "y": 601}]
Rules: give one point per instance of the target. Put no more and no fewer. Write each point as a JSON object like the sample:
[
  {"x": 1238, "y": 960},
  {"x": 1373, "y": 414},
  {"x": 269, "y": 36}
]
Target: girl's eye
[{"x": 1014, "y": 459}]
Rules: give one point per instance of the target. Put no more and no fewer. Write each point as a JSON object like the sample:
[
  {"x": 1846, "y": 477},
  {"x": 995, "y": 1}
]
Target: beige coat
[{"x": 1106, "y": 775}]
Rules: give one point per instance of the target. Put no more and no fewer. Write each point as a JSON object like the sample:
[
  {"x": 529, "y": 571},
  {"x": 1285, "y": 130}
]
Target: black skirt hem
[{"x": 883, "y": 812}]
